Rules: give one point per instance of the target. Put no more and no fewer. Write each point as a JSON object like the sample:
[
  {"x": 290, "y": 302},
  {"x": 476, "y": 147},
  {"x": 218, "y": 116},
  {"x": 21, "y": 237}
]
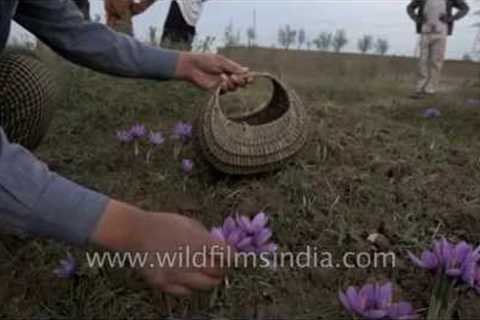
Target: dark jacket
[
  {"x": 84, "y": 6},
  {"x": 416, "y": 7}
]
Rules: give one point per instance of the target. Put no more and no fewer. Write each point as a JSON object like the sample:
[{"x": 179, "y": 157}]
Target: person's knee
[{"x": 28, "y": 93}]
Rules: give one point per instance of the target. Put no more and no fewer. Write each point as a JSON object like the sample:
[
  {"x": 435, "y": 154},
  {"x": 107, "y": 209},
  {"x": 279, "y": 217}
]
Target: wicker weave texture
[
  {"x": 258, "y": 143},
  {"x": 27, "y": 93}
]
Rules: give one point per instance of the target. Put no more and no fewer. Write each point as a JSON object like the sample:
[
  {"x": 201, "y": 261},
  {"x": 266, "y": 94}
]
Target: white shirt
[
  {"x": 433, "y": 10},
  {"x": 191, "y": 10}
]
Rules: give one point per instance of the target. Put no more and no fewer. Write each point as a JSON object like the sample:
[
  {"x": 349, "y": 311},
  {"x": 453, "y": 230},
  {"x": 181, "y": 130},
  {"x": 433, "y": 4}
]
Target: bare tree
[
  {"x": 251, "y": 36},
  {"x": 467, "y": 57},
  {"x": 231, "y": 38},
  {"x": 365, "y": 44},
  {"x": 323, "y": 41},
  {"x": 339, "y": 40},
  {"x": 302, "y": 38},
  {"x": 204, "y": 45},
  {"x": 476, "y": 45},
  {"x": 286, "y": 37},
  {"x": 382, "y": 46}
]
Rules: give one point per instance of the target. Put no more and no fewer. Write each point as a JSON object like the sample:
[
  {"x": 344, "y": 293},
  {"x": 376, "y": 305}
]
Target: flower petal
[
  {"x": 374, "y": 314},
  {"x": 366, "y": 296},
  {"x": 345, "y": 302},
  {"x": 263, "y": 236},
  {"x": 384, "y": 295},
  {"x": 217, "y": 233},
  {"x": 462, "y": 251},
  {"x": 354, "y": 299},
  {"x": 402, "y": 311},
  {"x": 229, "y": 225},
  {"x": 259, "y": 221},
  {"x": 244, "y": 223},
  {"x": 234, "y": 237},
  {"x": 244, "y": 243},
  {"x": 453, "y": 272}
]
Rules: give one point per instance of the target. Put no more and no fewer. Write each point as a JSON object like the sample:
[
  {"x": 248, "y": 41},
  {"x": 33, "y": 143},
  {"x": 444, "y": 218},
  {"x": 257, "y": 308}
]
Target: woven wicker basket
[
  {"x": 256, "y": 143},
  {"x": 27, "y": 94}
]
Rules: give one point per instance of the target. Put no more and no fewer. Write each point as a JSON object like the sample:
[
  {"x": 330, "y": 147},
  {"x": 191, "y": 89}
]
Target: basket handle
[{"x": 218, "y": 91}]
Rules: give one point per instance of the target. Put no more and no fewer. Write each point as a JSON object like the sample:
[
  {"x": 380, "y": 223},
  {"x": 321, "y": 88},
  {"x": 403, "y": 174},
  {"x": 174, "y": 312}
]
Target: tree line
[{"x": 289, "y": 38}]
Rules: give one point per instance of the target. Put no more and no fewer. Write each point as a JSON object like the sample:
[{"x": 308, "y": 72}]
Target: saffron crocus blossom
[
  {"x": 182, "y": 131},
  {"x": 156, "y": 138},
  {"x": 66, "y": 268},
  {"x": 471, "y": 271},
  {"x": 452, "y": 264},
  {"x": 431, "y": 113},
  {"x": 247, "y": 235},
  {"x": 138, "y": 131},
  {"x": 374, "y": 301},
  {"x": 124, "y": 136},
  {"x": 187, "y": 166},
  {"x": 446, "y": 258}
]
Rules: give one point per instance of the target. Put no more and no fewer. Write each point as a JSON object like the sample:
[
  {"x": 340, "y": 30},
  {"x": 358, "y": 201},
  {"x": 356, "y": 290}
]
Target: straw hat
[
  {"x": 256, "y": 143},
  {"x": 26, "y": 98}
]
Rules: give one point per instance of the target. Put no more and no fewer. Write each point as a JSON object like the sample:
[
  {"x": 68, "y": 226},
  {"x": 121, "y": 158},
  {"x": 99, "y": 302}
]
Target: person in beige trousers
[{"x": 434, "y": 21}]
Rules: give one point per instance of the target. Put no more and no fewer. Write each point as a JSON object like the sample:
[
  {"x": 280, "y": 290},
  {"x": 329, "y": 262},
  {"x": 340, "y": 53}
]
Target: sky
[{"x": 380, "y": 18}]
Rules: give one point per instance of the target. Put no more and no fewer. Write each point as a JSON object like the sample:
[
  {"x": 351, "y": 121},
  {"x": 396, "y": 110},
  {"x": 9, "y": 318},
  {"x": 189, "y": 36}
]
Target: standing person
[
  {"x": 36, "y": 200},
  {"x": 120, "y": 13},
  {"x": 180, "y": 27},
  {"x": 434, "y": 20},
  {"x": 84, "y": 6}
]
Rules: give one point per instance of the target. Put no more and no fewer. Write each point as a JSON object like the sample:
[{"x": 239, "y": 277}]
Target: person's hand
[
  {"x": 420, "y": 19},
  {"x": 127, "y": 229},
  {"x": 445, "y": 18},
  {"x": 208, "y": 71}
]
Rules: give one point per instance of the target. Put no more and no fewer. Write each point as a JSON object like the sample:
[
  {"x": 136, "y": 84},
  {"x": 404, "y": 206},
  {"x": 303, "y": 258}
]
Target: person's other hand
[
  {"x": 208, "y": 71},
  {"x": 420, "y": 19},
  {"x": 445, "y": 19},
  {"x": 127, "y": 229}
]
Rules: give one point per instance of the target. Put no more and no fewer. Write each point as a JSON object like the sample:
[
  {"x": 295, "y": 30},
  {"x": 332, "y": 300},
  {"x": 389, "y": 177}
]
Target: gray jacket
[
  {"x": 32, "y": 198},
  {"x": 416, "y": 7}
]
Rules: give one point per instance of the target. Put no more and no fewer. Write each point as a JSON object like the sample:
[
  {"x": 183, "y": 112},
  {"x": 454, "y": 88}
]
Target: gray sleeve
[
  {"x": 61, "y": 26},
  {"x": 35, "y": 200}
]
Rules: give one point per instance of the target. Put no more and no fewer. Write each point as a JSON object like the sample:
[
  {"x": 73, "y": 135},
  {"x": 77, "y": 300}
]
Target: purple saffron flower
[
  {"x": 156, "y": 138},
  {"x": 455, "y": 261},
  {"x": 182, "y": 131},
  {"x": 247, "y": 235},
  {"x": 402, "y": 311},
  {"x": 374, "y": 301},
  {"x": 124, "y": 136},
  {"x": 471, "y": 270},
  {"x": 138, "y": 131},
  {"x": 431, "y": 113},
  {"x": 66, "y": 269},
  {"x": 187, "y": 166}
]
